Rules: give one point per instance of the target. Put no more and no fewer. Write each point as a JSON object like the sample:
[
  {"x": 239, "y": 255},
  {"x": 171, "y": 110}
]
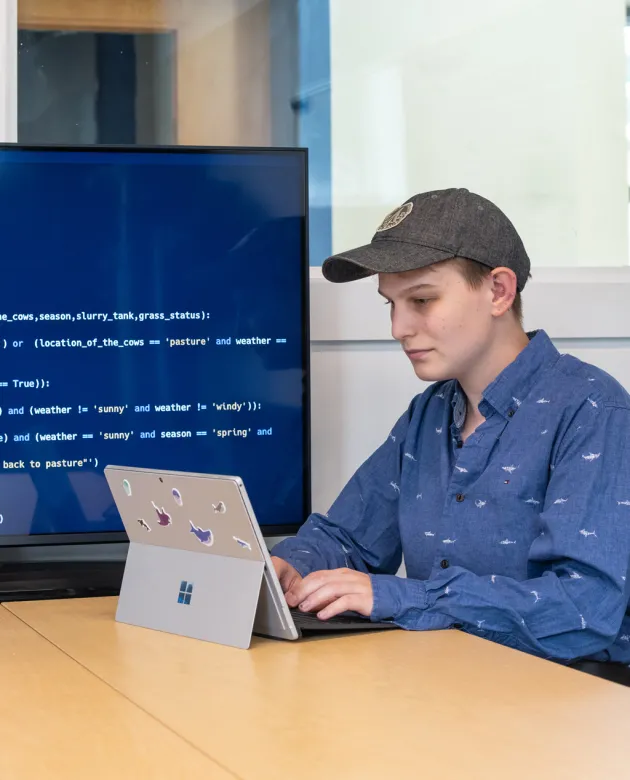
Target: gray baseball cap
[{"x": 431, "y": 227}]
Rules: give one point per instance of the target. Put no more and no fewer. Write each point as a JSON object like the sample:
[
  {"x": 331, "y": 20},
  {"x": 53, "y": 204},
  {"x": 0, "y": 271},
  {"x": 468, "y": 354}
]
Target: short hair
[{"x": 475, "y": 273}]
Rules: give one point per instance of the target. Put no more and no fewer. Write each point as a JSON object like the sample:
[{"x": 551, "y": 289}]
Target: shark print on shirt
[{"x": 537, "y": 483}]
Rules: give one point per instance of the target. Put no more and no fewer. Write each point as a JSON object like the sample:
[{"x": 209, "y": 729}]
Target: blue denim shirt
[{"x": 521, "y": 534}]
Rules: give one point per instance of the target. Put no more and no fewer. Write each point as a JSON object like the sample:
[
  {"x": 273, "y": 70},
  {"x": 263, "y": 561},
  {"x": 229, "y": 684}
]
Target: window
[{"x": 524, "y": 103}]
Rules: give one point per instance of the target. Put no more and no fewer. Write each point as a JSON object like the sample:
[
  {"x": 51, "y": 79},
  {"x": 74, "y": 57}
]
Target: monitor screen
[{"x": 153, "y": 313}]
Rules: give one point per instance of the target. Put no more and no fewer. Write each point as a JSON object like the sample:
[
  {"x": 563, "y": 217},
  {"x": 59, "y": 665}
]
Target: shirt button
[
  {"x": 460, "y": 444},
  {"x": 459, "y": 498},
  {"x": 444, "y": 564},
  {"x": 511, "y": 413}
]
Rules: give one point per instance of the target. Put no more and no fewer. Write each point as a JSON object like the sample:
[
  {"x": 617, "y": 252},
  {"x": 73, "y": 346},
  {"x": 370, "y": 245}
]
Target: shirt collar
[
  {"x": 458, "y": 403},
  {"x": 516, "y": 381}
]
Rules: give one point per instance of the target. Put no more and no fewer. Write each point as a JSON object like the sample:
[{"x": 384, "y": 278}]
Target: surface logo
[{"x": 185, "y": 592}]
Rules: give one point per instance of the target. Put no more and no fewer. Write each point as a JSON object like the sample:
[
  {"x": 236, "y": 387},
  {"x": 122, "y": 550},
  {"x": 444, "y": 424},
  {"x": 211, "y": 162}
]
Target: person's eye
[{"x": 422, "y": 301}]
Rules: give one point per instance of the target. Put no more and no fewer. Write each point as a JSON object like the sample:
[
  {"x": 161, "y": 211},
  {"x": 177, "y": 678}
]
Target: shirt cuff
[
  {"x": 303, "y": 563},
  {"x": 393, "y": 596}
]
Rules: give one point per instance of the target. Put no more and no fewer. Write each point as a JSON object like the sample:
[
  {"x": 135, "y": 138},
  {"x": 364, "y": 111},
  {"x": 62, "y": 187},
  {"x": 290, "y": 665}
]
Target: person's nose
[{"x": 402, "y": 324}]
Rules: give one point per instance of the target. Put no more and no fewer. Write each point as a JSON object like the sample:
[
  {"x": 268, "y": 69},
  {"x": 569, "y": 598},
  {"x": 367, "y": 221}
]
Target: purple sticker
[
  {"x": 205, "y": 537},
  {"x": 143, "y": 524},
  {"x": 178, "y": 497},
  {"x": 163, "y": 517}
]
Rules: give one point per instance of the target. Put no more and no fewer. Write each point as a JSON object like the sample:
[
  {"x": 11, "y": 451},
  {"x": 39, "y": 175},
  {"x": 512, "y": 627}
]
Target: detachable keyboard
[{"x": 309, "y": 622}]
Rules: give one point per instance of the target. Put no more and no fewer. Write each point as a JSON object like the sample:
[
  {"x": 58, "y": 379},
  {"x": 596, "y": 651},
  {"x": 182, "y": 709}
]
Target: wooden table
[
  {"x": 60, "y": 721},
  {"x": 386, "y": 705}
]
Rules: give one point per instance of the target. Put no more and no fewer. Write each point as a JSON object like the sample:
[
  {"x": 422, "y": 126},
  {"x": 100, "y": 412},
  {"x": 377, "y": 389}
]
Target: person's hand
[
  {"x": 287, "y": 575},
  {"x": 331, "y": 592}
]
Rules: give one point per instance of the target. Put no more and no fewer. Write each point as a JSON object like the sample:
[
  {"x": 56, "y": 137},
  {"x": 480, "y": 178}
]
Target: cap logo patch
[{"x": 394, "y": 219}]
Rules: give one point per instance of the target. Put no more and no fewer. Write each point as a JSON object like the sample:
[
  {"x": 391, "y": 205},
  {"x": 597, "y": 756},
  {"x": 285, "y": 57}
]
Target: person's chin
[
  {"x": 430, "y": 376},
  {"x": 429, "y": 371}
]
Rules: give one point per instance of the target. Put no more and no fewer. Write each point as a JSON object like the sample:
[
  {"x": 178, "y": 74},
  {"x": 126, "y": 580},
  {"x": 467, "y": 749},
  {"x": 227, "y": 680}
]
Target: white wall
[
  {"x": 520, "y": 100},
  {"x": 8, "y": 70}
]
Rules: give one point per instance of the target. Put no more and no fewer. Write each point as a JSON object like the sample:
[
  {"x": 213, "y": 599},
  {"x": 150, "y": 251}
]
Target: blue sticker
[
  {"x": 205, "y": 537},
  {"x": 241, "y": 543},
  {"x": 178, "y": 497}
]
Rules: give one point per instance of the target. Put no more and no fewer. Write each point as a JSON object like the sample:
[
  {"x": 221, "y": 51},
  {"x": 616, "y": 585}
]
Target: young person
[{"x": 505, "y": 486}]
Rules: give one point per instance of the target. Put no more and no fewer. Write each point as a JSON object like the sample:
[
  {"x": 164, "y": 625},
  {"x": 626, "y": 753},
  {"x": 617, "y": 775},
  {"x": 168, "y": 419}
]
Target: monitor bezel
[{"x": 116, "y": 537}]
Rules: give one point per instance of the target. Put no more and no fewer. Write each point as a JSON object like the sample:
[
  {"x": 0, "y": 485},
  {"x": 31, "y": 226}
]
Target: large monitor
[{"x": 153, "y": 313}]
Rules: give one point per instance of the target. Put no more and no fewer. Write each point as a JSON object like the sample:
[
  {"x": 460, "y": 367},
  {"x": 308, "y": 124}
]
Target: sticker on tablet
[
  {"x": 163, "y": 517},
  {"x": 219, "y": 508},
  {"x": 241, "y": 543},
  {"x": 205, "y": 537},
  {"x": 143, "y": 524},
  {"x": 178, "y": 497},
  {"x": 126, "y": 487}
]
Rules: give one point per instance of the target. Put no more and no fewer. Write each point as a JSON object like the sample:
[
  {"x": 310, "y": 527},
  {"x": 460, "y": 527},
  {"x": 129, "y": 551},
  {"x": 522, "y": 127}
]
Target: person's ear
[{"x": 504, "y": 288}]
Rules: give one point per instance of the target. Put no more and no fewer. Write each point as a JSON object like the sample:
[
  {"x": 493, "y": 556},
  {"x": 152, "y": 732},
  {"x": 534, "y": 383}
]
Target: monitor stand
[{"x": 28, "y": 581}]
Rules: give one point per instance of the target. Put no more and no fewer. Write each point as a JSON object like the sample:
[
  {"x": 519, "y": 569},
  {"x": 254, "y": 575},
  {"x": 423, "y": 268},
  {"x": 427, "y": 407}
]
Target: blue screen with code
[{"x": 152, "y": 314}]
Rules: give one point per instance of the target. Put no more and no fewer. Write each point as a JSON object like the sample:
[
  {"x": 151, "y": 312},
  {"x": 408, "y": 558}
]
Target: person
[{"x": 505, "y": 485}]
